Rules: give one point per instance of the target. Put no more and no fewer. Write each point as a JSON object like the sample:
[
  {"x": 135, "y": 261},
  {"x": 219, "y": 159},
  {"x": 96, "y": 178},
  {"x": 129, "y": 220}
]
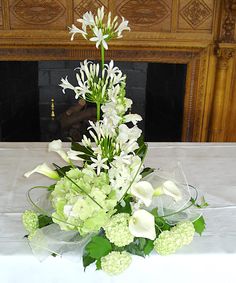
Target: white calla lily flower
[
  {"x": 56, "y": 146},
  {"x": 43, "y": 169},
  {"x": 73, "y": 155},
  {"x": 169, "y": 188},
  {"x": 142, "y": 224},
  {"x": 143, "y": 190}
]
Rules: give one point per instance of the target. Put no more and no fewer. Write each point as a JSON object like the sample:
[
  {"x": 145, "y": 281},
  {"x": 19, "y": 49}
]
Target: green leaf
[
  {"x": 134, "y": 249},
  {"x": 63, "y": 170},
  {"x": 146, "y": 171},
  {"x": 51, "y": 188},
  {"x": 98, "y": 247},
  {"x": 141, "y": 151},
  {"x": 44, "y": 220},
  {"x": 202, "y": 204},
  {"x": 199, "y": 225},
  {"x": 98, "y": 264},
  {"x": 148, "y": 247},
  {"x": 124, "y": 209},
  {"x": 87, "y": 260}
]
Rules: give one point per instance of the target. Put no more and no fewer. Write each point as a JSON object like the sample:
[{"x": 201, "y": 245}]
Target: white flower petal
[
  {"x": 56, "y": 146},
  {"x": 142, "y": 224},
  {"x": 169, "y": 188},
  {"x": 143, "y": 190},
  {"x": 43, "y": 169}
]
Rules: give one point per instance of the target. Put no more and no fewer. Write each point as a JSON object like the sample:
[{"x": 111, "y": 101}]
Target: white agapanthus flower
[
  {"x": 99, "y": 29},
  {"x": 99, "y": 163},
  {"x": 142, "y": 224},
  {"x": 43, "y": 169}
]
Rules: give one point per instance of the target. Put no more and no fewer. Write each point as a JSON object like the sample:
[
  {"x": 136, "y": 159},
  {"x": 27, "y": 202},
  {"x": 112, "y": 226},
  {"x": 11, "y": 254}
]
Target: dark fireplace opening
[{"x": 33, "y": 107}]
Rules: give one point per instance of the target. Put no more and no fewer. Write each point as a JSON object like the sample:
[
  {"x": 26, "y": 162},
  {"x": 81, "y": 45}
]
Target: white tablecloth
[{"x": 210, "y": 258}]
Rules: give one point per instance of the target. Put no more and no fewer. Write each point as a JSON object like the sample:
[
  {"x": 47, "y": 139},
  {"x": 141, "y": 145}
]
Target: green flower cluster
[
  {"x": 86, "y": 206},
  {"x": 115, "y": 262},
  {"x": 30, "y": 222},
  {"x": 169, "y": 242},
  {"x": 117, "y": 230}
]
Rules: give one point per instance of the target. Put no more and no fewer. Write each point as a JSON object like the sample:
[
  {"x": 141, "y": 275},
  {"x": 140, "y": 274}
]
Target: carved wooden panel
[
  {"x": 146, "y": 15},
  {"x": 195, "y": 15},
  {"x": 82, "y": 6},
  {"x": 1, "y": 21},
  {"x": 38, "y": 14}
]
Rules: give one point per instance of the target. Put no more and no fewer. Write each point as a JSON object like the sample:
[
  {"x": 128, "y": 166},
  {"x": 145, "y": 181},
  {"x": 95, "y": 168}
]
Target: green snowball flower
[
  {"x": 117, "y": 230},
  {"x": 165, "y": 244},
  {"x": 169, "y": 242},
  {"x": 30, "y": 221},
  {"x": 115, "y": 262},
  {"x": 186, "y": 231}
]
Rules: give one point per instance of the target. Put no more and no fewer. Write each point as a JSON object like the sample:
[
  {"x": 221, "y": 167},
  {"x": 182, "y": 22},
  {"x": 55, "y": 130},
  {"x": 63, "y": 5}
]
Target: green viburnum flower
[
  {"x": 117, "y": 230},
  {"x": 169, "y": 242},
  {"x": 30, "y": 221},
  {"x": 85, "y": 207},
  {"x": 115, "y": 262}
]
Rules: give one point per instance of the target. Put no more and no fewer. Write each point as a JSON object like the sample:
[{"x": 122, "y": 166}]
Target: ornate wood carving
[
  {"x": 82, "y": 6},
  {"x": 195, "y": 13},
  {"x": 228, "y": 25},
  {"x": 37, "y": 13},
  {"x": 143, "y": 14}
]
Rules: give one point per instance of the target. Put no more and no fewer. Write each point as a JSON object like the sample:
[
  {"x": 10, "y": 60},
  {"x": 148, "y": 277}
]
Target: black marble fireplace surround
[{"x": 26, "y": 90}]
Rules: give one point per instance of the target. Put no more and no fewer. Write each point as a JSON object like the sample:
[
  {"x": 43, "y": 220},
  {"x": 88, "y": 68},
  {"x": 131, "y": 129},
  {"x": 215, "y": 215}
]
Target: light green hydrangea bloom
[
  {"x": 74, "y": 210},
  {"x": 168, "y": 242},
  {"x": 115, "y": 262},
  {"x": 117, "y": 230},
  {"x": 30, "y": 221}
]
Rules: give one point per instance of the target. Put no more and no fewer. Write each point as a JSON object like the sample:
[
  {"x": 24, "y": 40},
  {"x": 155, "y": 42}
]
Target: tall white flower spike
[
  {"x": 143, "y": 190},
  {"x": 43, "y": 169},
  {"x": 169, "y": 188},
  {"x": 142, "y": 224}
]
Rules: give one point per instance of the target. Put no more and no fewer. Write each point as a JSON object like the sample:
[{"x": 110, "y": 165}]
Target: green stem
[{"x": 102, "y": 56}]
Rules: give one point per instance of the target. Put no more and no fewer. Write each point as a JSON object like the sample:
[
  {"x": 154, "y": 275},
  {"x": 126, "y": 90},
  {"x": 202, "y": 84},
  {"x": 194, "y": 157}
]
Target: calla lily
[
  {"x": 73, "y": 155},
  {"x": 142, "y": 224},
  {"x": 43, "y": 169},
  {"x": 170, "y": 189},
  {"x": 143, "y": 190},
  {"x": 56, "y": 146}
]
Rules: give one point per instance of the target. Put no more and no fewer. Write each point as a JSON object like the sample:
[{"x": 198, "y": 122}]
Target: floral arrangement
[{"x": 111, "y": 206}]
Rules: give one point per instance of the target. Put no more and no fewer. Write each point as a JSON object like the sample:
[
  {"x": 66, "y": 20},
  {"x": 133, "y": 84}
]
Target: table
[{"x": 210, "y": 258}]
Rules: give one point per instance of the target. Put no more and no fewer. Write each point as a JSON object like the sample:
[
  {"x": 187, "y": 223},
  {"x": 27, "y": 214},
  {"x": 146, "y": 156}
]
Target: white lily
[
  {"x": 99, "y": 38},
  {"x": 142, "y": 224},
  {"x": 169, "y": 188},
  {"x": 43, "y": 169},
  {"x": 73, "y": 155},
  {"x": 56, "y": 146},
  {"x": 143, "y": 190},
  {"x": 73, "y": 29},
  {"x": 99, "y": 163}
]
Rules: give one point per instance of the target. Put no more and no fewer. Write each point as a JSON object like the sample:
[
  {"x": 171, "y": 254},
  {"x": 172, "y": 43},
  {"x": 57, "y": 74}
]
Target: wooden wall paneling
[
  {"x": 1, "y": 17},
  {"x": 146, "y": 15},
  {"x": 231, "y": 119},
  {"x": 196, "y": 15},
  {"x": 42, "y": 15}
]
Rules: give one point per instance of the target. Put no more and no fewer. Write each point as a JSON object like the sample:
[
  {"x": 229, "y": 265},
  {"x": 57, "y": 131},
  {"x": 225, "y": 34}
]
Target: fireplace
[{"x": 33, "y": 97}]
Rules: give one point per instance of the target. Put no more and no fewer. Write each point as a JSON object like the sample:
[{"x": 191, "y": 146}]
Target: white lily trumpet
[
  {"x": 56, "y": 146},
  {"x": 43, "y": 169},
  {"x": 169, "y": 188},
  {"x": 143, "y": 190},
  {"x": 142, "y": 224}
]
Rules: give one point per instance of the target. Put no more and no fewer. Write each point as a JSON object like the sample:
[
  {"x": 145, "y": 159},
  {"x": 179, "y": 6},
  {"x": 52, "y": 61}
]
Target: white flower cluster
[
  {"x": 100, "y": 29},
  {"x": 94, "y": 84}
]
